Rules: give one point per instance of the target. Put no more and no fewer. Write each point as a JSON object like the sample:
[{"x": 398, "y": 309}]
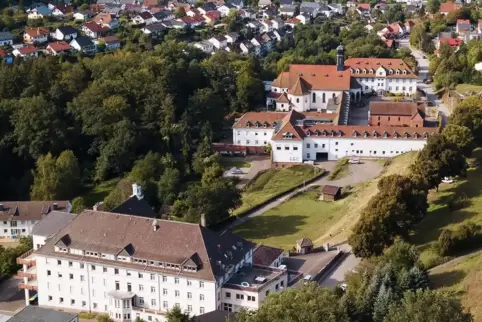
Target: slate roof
[
  {"x": 34, "y": 313},
  {"x": 52, "y": 223},
  {"x": 84, "y": 41},
  {"x": 6, "y": 35},
  {"x": 304, "y": 242},
  {"x": 171, "y": 242},
  {"x": 67, "y": 30},
  {"x": 216, "y": 316},
  {"x": 266, "y": 255},
  {"x": 135, "y": 206},
  {"x": 30, "y": 210}
]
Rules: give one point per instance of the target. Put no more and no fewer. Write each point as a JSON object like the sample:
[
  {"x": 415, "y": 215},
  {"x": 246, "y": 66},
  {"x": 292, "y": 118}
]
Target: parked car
[
  {"x": 343, "y": 286},
  {"x": 236, "y": 171},
  {"x": 447, "y": 180},
  {"x": 354, "y": 161},
  {"x": 307, "y": 279}
]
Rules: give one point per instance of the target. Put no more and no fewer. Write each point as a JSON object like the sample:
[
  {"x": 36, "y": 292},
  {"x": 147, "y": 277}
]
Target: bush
[
  {"x": 339, "y": 167},
  {"x": 87, "y": 315},
  {"x": 458, "y": 202},
  {"x": 466, "y": 237}
]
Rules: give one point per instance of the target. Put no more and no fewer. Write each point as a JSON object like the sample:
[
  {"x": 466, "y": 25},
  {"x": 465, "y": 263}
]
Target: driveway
[
  {"x": 11, "y": 298},
  {"x": 258, "y": 163},
  {"x": 337, "y": 275},
  {"x": 423, "y": 64}
]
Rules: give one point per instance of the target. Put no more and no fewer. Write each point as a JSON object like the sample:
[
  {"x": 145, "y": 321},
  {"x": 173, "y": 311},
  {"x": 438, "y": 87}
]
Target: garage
[{"x": 321, "y": 156}]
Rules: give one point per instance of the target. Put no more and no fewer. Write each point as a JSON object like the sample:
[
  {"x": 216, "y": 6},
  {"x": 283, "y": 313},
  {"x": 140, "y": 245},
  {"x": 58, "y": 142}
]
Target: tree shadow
[
  {"x": 293, "y": 263},
  {"x": 446, "y": 279},
  {"x": 261, "y": 227}
]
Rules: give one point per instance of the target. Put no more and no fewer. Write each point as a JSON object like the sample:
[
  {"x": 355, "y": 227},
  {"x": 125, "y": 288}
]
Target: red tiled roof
[
  {"x": 30, "y": 49},
  {"x": 102, "y": 18},
  {"x": 64, "y": 8},
  {"x": 389, "y": 43},
  {"x": 330, "y": 190},
  {"x": 2, "y": 53},
  {"x": 213, "y": 15},
  {"x": 318, "y": 77},
  {"x": 93, "y": 26},
  {"x": 293, "y": 21},
  {"x": 266, "y": 255},
  {"x": 36, "y": 32},
  {"x": 59, "y": 46},
  {"x": 452, "y": 42},
  {"x": 375, "y": 63},
  {"x": 270, "y": 118},
  {"x": 288, "y": 129},
  {"x": 464, "y": 21},
  {"x": 364, "y": 6},
  {"x": 393, "y": 108},
  {"x": 448, "y": 7},
  {"x": 111, "y": 39},
  {"x": 149, "y": 3}
]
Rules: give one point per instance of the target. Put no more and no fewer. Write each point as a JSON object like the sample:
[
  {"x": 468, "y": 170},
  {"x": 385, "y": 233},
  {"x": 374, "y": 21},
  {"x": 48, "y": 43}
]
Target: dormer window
[
  {"x": 415, "y": 135},
  {"x": 265, "y": 124},
  {"x": 288, "y": 135},
  {"x": 405, "y": 135},
  {"x": 332, "y": 133},
  {"x": 390, "y": 71},
  {"x": 358, "y": 71},
  {"x": 248, "y": 124},
  {"x": 317, "y": 132},
  {"x": 385, "y": 134},
  {"x": 371, "y": 71},
  {"x": 425, "y": 135},
  {"x": 355, "y": 134},
  {"x": 375, "y": 134},
  {"x": 398, "y": 72},
  {"x": 340, "y": 133},
  {"x": 308, "y": 133},
  {"x": 274, "y": 124},
  {"x": 364, "y": 71},
  {"x": 404, "y": 72},
  {"x": 324, "y": 133},
  {"x": 365, "y": 134},
  {"x": 395, "y": 135}
]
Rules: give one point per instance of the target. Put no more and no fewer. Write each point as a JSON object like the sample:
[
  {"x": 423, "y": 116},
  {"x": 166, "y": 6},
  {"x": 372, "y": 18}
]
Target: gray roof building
[
  {"x": 37, "y": 314},
  {"x": 52, "y": 223}
]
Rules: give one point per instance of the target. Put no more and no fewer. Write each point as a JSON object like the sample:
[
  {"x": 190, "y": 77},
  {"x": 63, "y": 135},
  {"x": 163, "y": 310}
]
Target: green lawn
[
  {"x": 305, "y": 216},
  {"x": 229, "y": 163},
  {"x": 340, "y": 170},
  {"x": 463, "y": 281},
  {"x": 440, "y": 216},
  {"x": 99, "y": 192},
  {"x": 273, "y": 182},
  {"x": 302, "y": 216},
  {"x": 464, "y": 88}
]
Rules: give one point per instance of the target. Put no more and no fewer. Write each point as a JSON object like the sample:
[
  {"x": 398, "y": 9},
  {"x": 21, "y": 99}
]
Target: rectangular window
[
  {"x": 201, "y": 297},
  {"x": 164, "y": 304},
  {"x": 59, "y": 262},
  {"x": 308, "y": 155},
  {"x": 295, "y": 148},
  {"x": 287, "y": 147},
  {"x": 189, "y": 308},
  {"x": 278, "y": 147},
  {"x": 176, "y": 280},
  {"x": 50, "y": 298},
  {"x": 239, "y": 297},
  {"x": 153, "y": 277},
  {"x": 49, "y": 273},
  {"x": 227, "y": 295},
  {"x": 307, "y": 145},
  {"x": 141, "y": 287},
  {"x": 129, "y": 287},
  {"x": 201, "y": 284},
  {"x": 316, "y": 145},
  {"x": 164, "y": 291},
  {"x": 71, "y": 277},
  {"x": 92, "y": 267},
  {"x": 336, "y": 143},
  {"x": 189, "y": 295},
  {"x": 140, "y": 275},
  {"x": 72, "y": 302},
  {"x": 189, "y": 282},
  {"x": 141, "y": 300},
  {"x": 323, "y": 146},
  {"x": 153, "y": 302},
  {"x": 117, "y": 285},
  {"x": 104, "y": 269},
  {"x": 84, "y": 304},
  {"x": 176, "y": 293},
  {"x": 116, "y": 271},
  {"x": 164, "y": 279},
  {"x": 61, "y": 300},
  {"x": 201, "y": 310}
]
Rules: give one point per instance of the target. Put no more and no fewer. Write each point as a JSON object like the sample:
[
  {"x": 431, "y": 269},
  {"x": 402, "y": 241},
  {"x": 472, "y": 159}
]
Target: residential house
[
  {"x": 281, "y": 34},
  {"x": 264, "y": 3},
  {"x": 6, "y": 38},
  {"x": 58, "y": 48},
  {"x": 267, "y": 25},
  {"x": 463, "y": 26},
  {"x": 292, "y": 22},
  {"x": 39, "y": 13},
  {"x": 284, "y": 3},
  {"x": 65, "y": 33},
  {"x": 277, "y": 23},
  {"x": 325, "y": 10},
  {"x": 93, "y": 30},
  {"x": 17, "y": 218},
  {"x": 449, "y": 6},
  {"x": 409, "y": 26},
  {"x": 207, "y": 7},
  {"x": 205, "y": 45},
  {"x": 155, "y": 30},
  {"x": 351, "y": 4},
  {"x": 113, "y": 10},
  {"x": 247, "y": 13},
  {"x": 132, "y": 8},
  {"x": 336, "y": 8},
  {"x": 192, "y": 12},
  {"x": 255, "y": 26},
  {"x": 143, "y": 18},
  {"x": 175, "y": 24},
  {"x": 232, "y": 37},
  {"x": 303, "y": 18},
  {"x": 37, "y": 35},
  {"x": 363, "y": 9},
  {"x": 106, "y": 20},
  {"x": 211, "y": 17},
  {"x": 164, "y": 15},
  {"x": 454, "y": 43},
  {"x": 83, "y": 44},
  {"x": 288, "y": 11},
  {"x": 224, "y": 10},
  {"x": 219, "y": 42},
  {"x": 192, "y": 22},
  {"x": 268, "y": 256},
  {"x": 310, "y": 8},
  {"x": 62, "y": 10},
  {"x": 83, "y": 15},
  {"x": 248, "y": 48},
  {"x": 27, "y": 51},
  {"x": 111, "y": 43},
  {"x": 270, "y": 12},
  {"x": 382, "y": 7}
]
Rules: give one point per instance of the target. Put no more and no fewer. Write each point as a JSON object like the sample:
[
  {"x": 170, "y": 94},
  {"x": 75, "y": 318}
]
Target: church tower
[{"x": 340, "y": 58}]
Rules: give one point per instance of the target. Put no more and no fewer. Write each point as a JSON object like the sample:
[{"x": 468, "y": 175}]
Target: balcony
[
  {"x": 30, "y": 285},
  {"x": 26, "y": 259},
  {"x": 31, "y": 273}
]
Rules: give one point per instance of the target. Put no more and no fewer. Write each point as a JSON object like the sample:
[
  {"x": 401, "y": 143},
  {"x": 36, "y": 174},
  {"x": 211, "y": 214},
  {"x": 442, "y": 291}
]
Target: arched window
[
  {"x": 324, "y": 98},
  {"x": 314, "y": 98}
]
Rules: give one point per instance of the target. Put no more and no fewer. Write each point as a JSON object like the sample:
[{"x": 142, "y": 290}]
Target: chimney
[
  {"x": 203, "y": 220},
  {"x": 55, "y": 206},
  {"x": 154, "y": 225},
  {"x": 137, "y": 191}
]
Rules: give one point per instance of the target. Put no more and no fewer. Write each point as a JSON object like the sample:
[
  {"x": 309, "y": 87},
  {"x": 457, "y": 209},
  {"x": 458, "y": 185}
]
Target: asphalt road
[
  {"x": 337, "y": 275},
  {"x": 423, "y": 64}
]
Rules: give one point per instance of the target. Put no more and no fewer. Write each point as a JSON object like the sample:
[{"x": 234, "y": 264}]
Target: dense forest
[{"x": 70, "y": 123}]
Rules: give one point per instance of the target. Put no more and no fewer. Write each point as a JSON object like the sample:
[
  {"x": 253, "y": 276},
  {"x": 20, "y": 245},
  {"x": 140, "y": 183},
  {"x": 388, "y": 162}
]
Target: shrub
[
  {"x": 339, "y": 167},
  {"x": 458, "y": 202},
  {"x": 466, "y": 237}
]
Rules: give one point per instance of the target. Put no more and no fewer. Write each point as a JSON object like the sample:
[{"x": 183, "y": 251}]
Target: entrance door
[{"x": 321, "y": 156}]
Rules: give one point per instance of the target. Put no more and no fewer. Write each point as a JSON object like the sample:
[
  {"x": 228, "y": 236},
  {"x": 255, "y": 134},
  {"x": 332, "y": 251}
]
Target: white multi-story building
[
  {"x": 17, "y": 218},
  {"x": 317, "y": 87},
  {"x": 128, "y": 266},
  {"x": 298, "y": 137}
]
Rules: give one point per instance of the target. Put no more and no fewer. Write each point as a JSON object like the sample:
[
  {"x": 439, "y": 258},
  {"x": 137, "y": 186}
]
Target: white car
[
  {"x": 343, "y": 286},
  {"x": 354, "y": 161},
  {"x": 307, "y": 279},
  {"x": 447, "y": 180},
  {"x": 236, "y": 171}
]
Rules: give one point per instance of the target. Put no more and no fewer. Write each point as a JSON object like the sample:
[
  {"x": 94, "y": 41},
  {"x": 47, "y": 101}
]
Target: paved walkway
[
  {"x": 337, "y": 275},
  {"x": 357, "y": 173}
]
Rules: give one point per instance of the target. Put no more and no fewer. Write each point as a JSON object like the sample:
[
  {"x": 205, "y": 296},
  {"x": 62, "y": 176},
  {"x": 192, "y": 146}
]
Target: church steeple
[{"x": 340, "y": 58}]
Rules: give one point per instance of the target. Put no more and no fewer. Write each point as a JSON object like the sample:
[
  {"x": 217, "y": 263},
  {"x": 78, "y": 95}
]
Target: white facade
[
  {"x": 253, "y": 137},
  {"x": 16, "y": 228},
  {"x": 405, "y": 86}
]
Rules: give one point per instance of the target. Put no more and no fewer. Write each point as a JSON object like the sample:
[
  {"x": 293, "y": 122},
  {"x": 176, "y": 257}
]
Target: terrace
[{"x": 255, "y": 278}]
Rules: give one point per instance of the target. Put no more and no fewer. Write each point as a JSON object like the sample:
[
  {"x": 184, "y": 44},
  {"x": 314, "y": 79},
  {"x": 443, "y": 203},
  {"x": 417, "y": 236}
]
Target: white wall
[
  {"x": 23, "y": 227},
  {"x": 287, "y": 151},
  {"x": 393, "y": 85},
  {"x": 253, "y": 136},
  {"x": 306, "y": 102}
]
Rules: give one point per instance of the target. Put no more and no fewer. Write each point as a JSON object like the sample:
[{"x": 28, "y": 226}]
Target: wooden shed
[
  {"x": 304, "y": 246},
  {"x": 330, "y": 193}
]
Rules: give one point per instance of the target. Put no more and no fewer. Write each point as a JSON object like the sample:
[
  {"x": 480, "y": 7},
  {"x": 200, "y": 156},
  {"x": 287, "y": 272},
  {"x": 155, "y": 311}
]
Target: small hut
[
  {"x": 304, "y": 246},
  {"x": 330, "y": 193}
]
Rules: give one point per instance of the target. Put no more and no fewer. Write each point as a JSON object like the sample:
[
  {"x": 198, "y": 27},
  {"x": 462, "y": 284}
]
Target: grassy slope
[
  {"x": 229, "y": 163},
  {"x": 464, "y": 88},
  {"x": 440, "y": 217},
  {"x": 274, "y": 181},
  {"x": 305, "y": 216},
  {"x": 462, "y": 281},
  {"x": 99, "y": 192}
]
